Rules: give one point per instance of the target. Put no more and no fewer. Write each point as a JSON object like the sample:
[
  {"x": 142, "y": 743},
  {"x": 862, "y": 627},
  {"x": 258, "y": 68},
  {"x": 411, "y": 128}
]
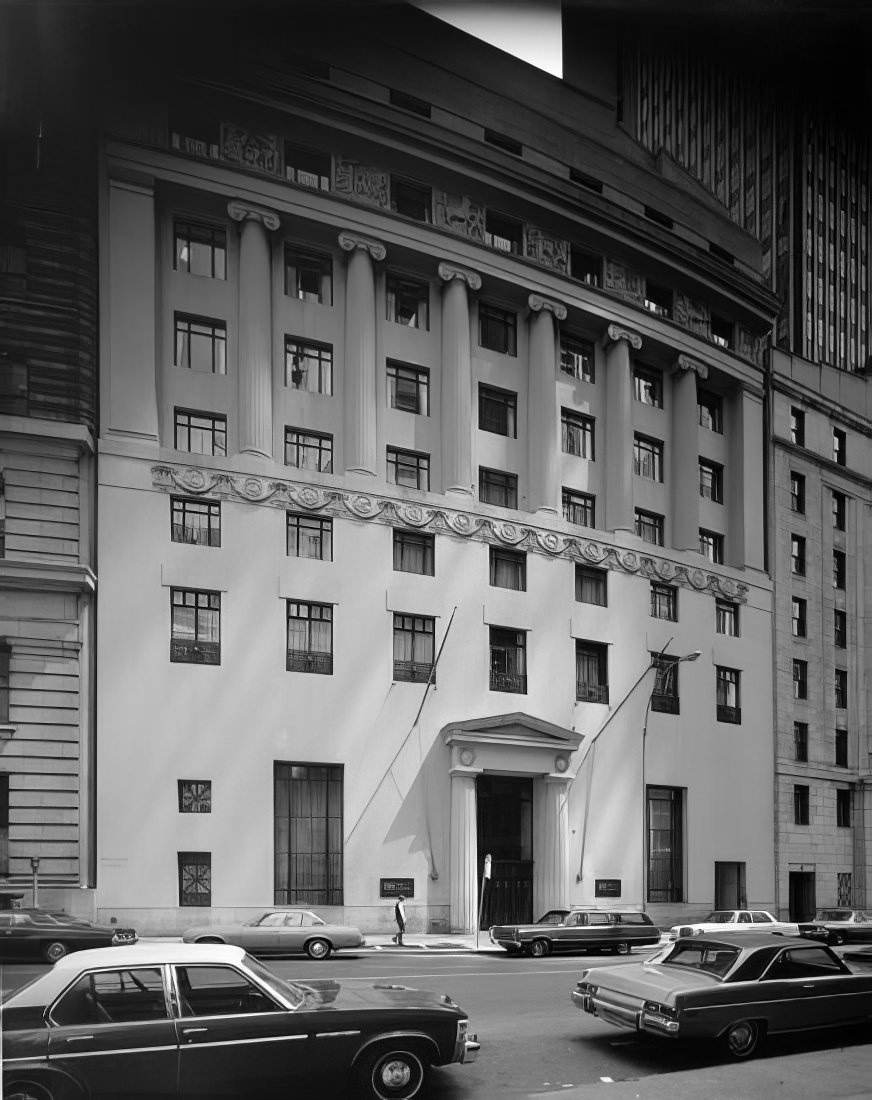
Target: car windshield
[
  {"x": 715, "y": 958},
  {"x": 553, "y": 916},
  {"x": 721, "y": 916},
  {"x": 288, "y": 991},
  {"x": 832, "y": 915}
]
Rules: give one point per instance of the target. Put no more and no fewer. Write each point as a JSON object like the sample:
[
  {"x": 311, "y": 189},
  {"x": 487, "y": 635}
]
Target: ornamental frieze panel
[
  {"x": 622, "y": 280},
  {"x": 361, "y": 182},
  {"x": 749, "y": 346},
  {"x": 258, "y": 151},
  {"x": 194, "y": 481},
  {"x": 545, "y": 249},
  {"x": 459, "y": 214},
  {"x": 692, "y": 315}
]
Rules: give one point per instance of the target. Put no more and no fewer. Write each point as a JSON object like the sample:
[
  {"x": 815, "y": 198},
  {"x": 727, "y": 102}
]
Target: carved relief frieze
[
  {"x": 693, "y": 315},
  {"x": 749, "y": 346},
  {"x": 623, "y": 281},
  {"x": 459, "y": 214},
  {"x": 545, "y": 249},
  {"x": 194, "y": 481},
  {"x": 251, "y": 150},
  {"x": 361, "y": 182}
]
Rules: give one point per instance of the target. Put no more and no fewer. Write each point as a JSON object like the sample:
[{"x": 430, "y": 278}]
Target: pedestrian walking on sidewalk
[{"x": 400, "y": 918}]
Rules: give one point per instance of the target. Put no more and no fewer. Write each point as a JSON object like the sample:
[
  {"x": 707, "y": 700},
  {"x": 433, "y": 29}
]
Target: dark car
[
  {"x": 737, "y": 988},
  {"x": 206, "y": 1020},
  {"x": 580, "y": 930},
  {"x": 35, "y": 933},
  {"x": 838, "y": 926}
]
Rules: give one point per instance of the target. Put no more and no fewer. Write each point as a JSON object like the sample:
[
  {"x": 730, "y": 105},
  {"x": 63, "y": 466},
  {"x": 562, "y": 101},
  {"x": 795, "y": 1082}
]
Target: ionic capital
[
  {"x": 246, "y": 211},
  {"x": 447, "y": 272},
  {"x": 349, "y": 242},
  {"x": 614, "y": 334},
  {"x": 539, "y": 304},
  {"x": 685, "y": 363}
]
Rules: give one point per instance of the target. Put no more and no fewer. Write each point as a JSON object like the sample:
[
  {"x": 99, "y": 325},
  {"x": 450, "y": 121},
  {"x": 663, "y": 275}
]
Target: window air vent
[{"x": 503, "y": 142}]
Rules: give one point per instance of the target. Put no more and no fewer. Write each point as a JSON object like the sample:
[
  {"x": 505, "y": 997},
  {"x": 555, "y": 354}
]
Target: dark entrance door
[
  {"x": 505, "y": 831},
  {"x": 801, "y": 895}
]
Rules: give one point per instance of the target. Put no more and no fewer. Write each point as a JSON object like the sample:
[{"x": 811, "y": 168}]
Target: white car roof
[{"x": 150, "y": 954}]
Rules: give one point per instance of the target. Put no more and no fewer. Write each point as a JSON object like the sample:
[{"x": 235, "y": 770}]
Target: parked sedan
[
  {"x": 838, "y": 926},
  {"x": 738, "y": 988},
  {"x": 206, "y": 1020},
  {"x": 281, "y": 932},
  {"x": 38, "y": 934},
  {"x": 735, "y": 920},
  {"x": 580, "y": 930}
]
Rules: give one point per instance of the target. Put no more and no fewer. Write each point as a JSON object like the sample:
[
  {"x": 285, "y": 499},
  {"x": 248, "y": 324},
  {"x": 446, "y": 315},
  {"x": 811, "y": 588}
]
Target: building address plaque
[{"x": 393, "y": 887}]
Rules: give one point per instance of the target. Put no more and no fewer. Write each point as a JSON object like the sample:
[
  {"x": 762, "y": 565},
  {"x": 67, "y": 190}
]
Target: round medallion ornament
[
  {"x": 195, "y": 479},
  {"x": 467, "y": 757},
  {"x": 561, "y": 763},
  {"x": 252, "y": 487},
  {"x": 309, "y": 497}
]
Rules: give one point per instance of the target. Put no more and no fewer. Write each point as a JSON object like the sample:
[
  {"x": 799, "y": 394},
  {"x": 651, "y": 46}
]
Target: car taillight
[
  {"x": 462, "y": 1029},
  {"x": 655, "y": 1008}
]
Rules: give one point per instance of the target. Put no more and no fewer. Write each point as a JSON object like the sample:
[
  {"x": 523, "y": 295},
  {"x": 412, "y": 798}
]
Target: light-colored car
[
  {"x": 281, "y": 932},
  {"x": 735, "y": 920}
]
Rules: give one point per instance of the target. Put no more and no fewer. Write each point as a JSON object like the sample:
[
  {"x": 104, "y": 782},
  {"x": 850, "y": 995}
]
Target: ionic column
[
  {"x": 543, "y": 424},
  {"x": 360, "y": 372},
  {"x": 463, "y": 894},
  {"x": 552, "y": 855},
  {"x": 457, "y": 378},
  {"x": 684, "y": 471},
  {"x": 255, "y": 327},
  {"x": 743, "y": 415},
  {"x": 619, "y": 427}
]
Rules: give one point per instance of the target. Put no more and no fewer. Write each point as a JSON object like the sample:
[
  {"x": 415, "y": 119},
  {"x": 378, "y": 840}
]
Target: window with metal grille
[
  {"x": 841, "y": 748},
  {"x": 797, "y": 426},
  {"x": 710, "y": 407},
  {"x": 840, "y": 629},
  {"x": 309, "y": 536},
  {"x": 577, "y": 434},
  {"x": 309, "y": 450},
  {"x": 797, "y": 494},
  {"x": 577, "y": 357},
  {"x": 308, "y": 366},
  {"x": 591, "y": 585},
  {"x": 727, "y": 684},
  {"x": 664, "y": 844},
  {"x": 310, "y": 638},
  {"x": 648, "y": 457},
  {"x": 409, "y": 468},
  {"x": 201, "y": 344},
  {"x": 308, "y": 844},
  {"x": 664, "y": 694},
  {"x": 648, "y": 387},
  {"x": 649, "y": 527},
  {"x": 497, "y": 411},
  {"x": 508, "y": 660},
  {"x": 414, "y": 552},
  {"x": 797, "y": 555},
  {"x": 195, "y": 796},
  {"x": 578, "y": 507},
  {"x": 408, "y": 388},
  {"x": 497, "y": 487},
  {"x": 843, "y": 808},
  {"x": 664, "y": 602},
  {"x": 307, "y": 167},
  {"x": 412, "y": 200},
  {"x": 844, "y": 889},
  {"x": 711, "y": 481},
  {"x": 800, "y": 742},
  {"x": 798, "y": 617},
  {"x": 508, "y": 569},
  {"x": 196, "y": 626},
  {"x": 497, "y": 329},
  {"x": 414, "y": 648},
  {"x": 841, "y": 685},
  {"x": 591, "y": 672},
  {"x": 195, "y": 878},
  {"x": 711, "y": 546},
  {"x": 200, "y": 433},
  {"x": 407, "y": 302},
  {"x": 839, "y": 509},
  {"x": 800, "y": 679},
  {"x": 200, "y": 249},
  {"x": 195, "y": 521},
  {"x": 800, "y": 804},
  {"x": 308, "y": 276},
  {"x": 727, "y": 618}
]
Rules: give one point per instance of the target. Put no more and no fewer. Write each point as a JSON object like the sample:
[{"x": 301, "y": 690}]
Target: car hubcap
[
  {"x": 741, "y": 1037},
  {"x": 396, "y": 1074}
]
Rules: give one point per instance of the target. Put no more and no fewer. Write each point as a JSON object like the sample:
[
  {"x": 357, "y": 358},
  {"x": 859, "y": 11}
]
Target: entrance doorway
[
  {"x": 504, "y": 809},
  {"x": 730, "y": 886},
  {"x": 801, "y": 895}
]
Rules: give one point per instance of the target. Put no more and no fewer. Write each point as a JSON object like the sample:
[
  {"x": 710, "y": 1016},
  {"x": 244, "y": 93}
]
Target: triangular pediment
[{"x": 512, "y": 729}]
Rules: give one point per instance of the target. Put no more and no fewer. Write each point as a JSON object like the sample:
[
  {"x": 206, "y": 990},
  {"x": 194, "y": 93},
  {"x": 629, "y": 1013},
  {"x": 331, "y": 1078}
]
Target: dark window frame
[
  {"x": 508, "y": 231},
  {"x": 308, "y": 167},
  {"x": 210, "y": 332},
  {"x": 840, "y": 447},
  {"x": 577, "y": 358},
  {"x": 648, "y": 457},
  {"x": 213, "y": 428},
  {"x": 799, "y": 617},
  {"x": 664, "y": 601},
  {"x": 797, "y": 555},
  {"x": 797, "y": 426},
  {"x": 648, "y": 523},
  {"x": 648, "y": 386},
  {"x": 199, "y": 646},
  {"x": 312, "y": 872},
  {"x": 597, "y": 579},
  {"x": 840, "y": 747},
  {"x": 797, "y": 493},
  {"x": 515, "y": 563},
  {"x": 507, "y": 660},
  {"x": 183, "y": 508},
  {"x": 407, "y": 301},
  {"x": 711, "y": 481},
  {"x": 727, "y": 613},
  {"x": 840, "y": 683},
  {"x": 404, "y": 381},
  {"x": 591, "y": 657},
  {"x": 318, "y": 266},
  {"x": 195, "y": 879},
  {"x": 664, "y": 693},
  {"x": 414, "y": 544},
  {"x": 318, "y": 360},
  {"x": 840, "y": 628},
  {"x": 840, "y": 570},
  {"x": 664, "y": 844},
  {"x": 577, "y": 434},
  {"x": 501, "y": 482},
  {"x": 800, "y": 804},
  {"x": 320, "y": 535},
  {"x": 494, "y": 322},
  {"x": 207, "y": 235},
  {"x": 414, "y": 633},
  {"x": 840, "y": 502},
  {"x": 800, "y": 678},
  {"x": 728, "y": 686},
  {"x": 710, "y": 410},
  {"x": 195, "y": 796},
  {"x": 303, "y": 443},
  {"x": 411, "y": 199},
  {"x": 311, "y": 657},
  {"x": 843, "y": 808},
  {"x": 497, "y": 408},
  {"x": 800, "y": 742},
  {"x": 413, "y": 465},
  {"x": 713, "y": 541}
]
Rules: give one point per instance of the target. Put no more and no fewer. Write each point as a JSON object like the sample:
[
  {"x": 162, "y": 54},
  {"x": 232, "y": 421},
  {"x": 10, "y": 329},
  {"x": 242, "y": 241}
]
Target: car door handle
[
  {"x": 193, "y": 1030},
  {"x": 79, "y": 1038},
  {"x": 808, "y": 986}
]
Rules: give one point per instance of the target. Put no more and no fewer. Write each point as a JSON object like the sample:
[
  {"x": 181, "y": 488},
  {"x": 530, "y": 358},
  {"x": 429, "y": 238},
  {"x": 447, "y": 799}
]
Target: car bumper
[
  {"x": 625, "y": 1016},
  {"x": 124, "y": 939},
  {"x": 468, "y": 1049}
]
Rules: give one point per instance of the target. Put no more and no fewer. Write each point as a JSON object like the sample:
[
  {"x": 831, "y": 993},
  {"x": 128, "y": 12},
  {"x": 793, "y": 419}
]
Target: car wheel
[
  {"x": 26, "y": 1090},
  {"x": 622, "y": 949},
  {"x": 742, "y": 1038},
  {"x": 208, "y": 939},
  {"x": 540, "y": 948},
  {"x": 54, "y": 951},
  {"x": 391, "y": 1073},
  {"x": 318, "y": 949}
]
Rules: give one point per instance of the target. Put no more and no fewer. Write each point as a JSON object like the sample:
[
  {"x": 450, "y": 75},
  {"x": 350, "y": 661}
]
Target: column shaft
[
  {"x": 552, "y": 855},
  {"x": 456, "y": 423},
  {"x": 619, "y": 436},
  {"x": 543, "y": 438},
  {"x": 360, "y": 374},
  {"x": 463, "y": 896},
  {"x": 255, "y": 335},
  {"x": 684, "y": 474}
]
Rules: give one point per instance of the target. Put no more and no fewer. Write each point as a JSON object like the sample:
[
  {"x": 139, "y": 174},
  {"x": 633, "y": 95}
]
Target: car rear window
[
  {"x": 833, "y": 915},
  {"x": 717, "y": 959},
  {"x": 634, "y": 918}
]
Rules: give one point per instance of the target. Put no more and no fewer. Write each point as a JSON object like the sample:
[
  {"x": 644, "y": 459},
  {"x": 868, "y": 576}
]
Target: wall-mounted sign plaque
[
  {"x": 607, "y": 887},
  {"x": 393, "y": 887}
]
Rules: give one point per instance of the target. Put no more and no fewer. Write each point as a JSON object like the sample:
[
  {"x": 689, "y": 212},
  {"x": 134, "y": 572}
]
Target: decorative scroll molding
[
  {"x": 364, "y": 506},
  {"x": 251, "y": 150},
  {"x": 536, "y": 303},
  {"x": 349, "y": 241},
  {"x": 447, "y": 272},
  {"x": 685, "y": 363},
  {"x": 614, "y": 333},
  {"x": 246, "y": 211}
]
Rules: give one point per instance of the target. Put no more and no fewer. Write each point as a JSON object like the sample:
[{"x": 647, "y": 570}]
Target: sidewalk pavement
[{"x": 383, "y": 941}]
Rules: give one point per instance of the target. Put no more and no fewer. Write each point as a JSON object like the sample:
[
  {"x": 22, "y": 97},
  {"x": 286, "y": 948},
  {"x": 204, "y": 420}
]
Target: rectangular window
[
  {"x": 195, "y": 796},
  {"x": 409, "y": 468},
  {"x": 496, "y": 487},
  {"x": 591, "y": 585},
  {"x": 665, "y": 844},
  {"x": 201, "y": 344},
  {"x": 711, "y": 410},
  {"x": 585, "y": 266},
  {"x": 195, "y": 521},
  {"x": 722, "y": 331},
  {"x": 414, "y": 649},
  {"x": 800, "y": 804},
  {"x": 797, "y": 555},
  {"x": 649, "y": 527},
  {"x": 578, "y": 508},
  {"x": 839, "y": 569},
  {"x": 508, "y": 660},
  {"x": 508, "y": 569},
  {"x": 711, "y": 546},
  {"x": 497, "y": 411},
  {"x": 308, "y": 276},
  {"x": 797, "y": 426},
  {"x": 503, "y": 233},
  {"x": 308, "y": 841},
  {"x": 5, "y": 665},
  {"x": 840, "y": 441},
  {"x": 4, "y": 823},
  {"x": 729, "y": 704},
  {"x": 840, "y": 629},
  {"x": 309, "y": 450},
  {"x": 800, "y": 742},
  {"x": 797, "y": 494},
  {"x": 591, "y": 672},
  {"x": 200, "y": 249},
  {"x": 658, "y": 299},
  {"x": 309, "y": 536},
  {"x": 664, "y": 694},
  {"x": 727, "y": 618},
  {"x": 841, "y": 748},
  {"x": 200, "y": 433},
  {"x": 843, "y": 808},
  {"x": 577, "y": 357},
  {"x": 408, "y": 388},
  {"x": 839, "y": 510},
  {"x": 648, "y": 457},
  {"x": 800, "y": 679},
  {"x": 308, "y": 366},
  {"x": 648, "y": 387},
  {"x": 577, "y": 434},
  {"x": 407, "y": 302},
  {"x": 497, "y": 329},
  {"x": 412, "y": 200},
  {"x": 307, "y": 167},
  {"x": 664, "y": 602},
  {"x": 195, "y": 636},
  {"x": 711, "y": 481},
  {"x": 841, "y": 684},
  {"x": 414, "y": 552},
  {"x": 798, "y": 617},
  {"x": 310, "y": 637},
  {"x": 195, "y": 879}
]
